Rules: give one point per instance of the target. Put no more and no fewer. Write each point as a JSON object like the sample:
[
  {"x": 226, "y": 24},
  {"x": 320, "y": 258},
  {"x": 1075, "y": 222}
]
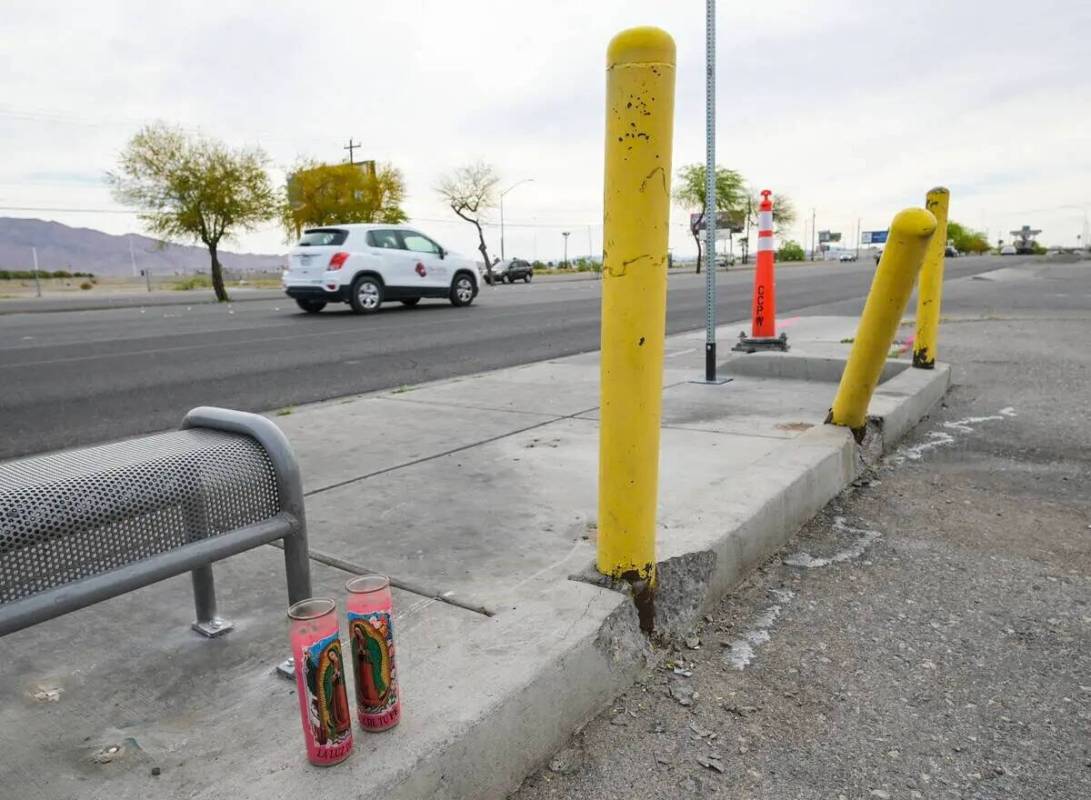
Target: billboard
[
  {"x": 873, "y": 237},
  {"x": 725, "y": 221}
]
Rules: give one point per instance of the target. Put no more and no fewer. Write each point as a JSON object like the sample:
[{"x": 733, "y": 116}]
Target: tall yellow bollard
[
  {"x": 930, "y": 287},
  {"x": 636, "y": 214},
  {"x": 910, "y": 233}
]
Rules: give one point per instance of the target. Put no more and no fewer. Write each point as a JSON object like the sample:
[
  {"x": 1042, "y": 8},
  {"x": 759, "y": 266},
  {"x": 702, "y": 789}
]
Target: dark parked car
[{"x": 514, "y": 270}]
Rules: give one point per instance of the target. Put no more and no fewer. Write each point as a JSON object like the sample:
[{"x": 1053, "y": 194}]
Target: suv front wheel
[
  {"x": 462, "y": 290},
  {"x": 367, "y": 295}
]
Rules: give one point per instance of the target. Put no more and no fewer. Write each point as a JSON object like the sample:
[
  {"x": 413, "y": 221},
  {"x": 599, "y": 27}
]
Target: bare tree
[{"x": 470, "y": 191}]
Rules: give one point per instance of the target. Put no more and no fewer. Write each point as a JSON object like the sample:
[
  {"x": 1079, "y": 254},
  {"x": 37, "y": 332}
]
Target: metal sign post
[{"x": 710, "y": 193}]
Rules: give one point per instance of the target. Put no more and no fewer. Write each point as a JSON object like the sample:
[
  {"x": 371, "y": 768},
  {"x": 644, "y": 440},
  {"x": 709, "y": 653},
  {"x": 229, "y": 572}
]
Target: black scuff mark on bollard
[
  {"x": 625, "y": 265},
  {"x": 922, "y": 360},
  {"x": 641, "y": 342},
  {"x": 648, "y": 177}
]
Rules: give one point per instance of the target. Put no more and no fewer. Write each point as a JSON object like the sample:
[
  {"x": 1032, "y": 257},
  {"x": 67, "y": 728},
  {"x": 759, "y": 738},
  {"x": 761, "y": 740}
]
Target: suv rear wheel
[
  {"x": 310, "y": 304},
  {"x": 462, "y": 290},
  {"x": 367, "y": 294}
]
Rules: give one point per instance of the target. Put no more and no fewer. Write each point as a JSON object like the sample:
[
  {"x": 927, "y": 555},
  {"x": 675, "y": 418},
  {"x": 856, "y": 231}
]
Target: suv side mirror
[{"x": 442, "y": 252}]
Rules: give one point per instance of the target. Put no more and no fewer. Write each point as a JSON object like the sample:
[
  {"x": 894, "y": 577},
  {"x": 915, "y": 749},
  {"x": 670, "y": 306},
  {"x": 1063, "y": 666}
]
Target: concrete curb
[
  {"x": 900, "y": 403},
  {"x": 783, "y": 492},
  {"x": 777, "y": 497}
]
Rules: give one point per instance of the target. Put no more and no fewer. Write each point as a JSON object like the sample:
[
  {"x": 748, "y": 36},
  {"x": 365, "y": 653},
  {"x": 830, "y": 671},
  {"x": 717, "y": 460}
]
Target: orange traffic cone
[{"x": 763, "y": 329}]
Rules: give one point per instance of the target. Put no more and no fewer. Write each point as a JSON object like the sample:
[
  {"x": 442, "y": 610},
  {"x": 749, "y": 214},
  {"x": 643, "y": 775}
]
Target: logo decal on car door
[{"x": 421, "y": 270}]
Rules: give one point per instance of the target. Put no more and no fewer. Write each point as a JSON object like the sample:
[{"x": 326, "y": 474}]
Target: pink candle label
[
  {"x": 327, "y": 699},
  {"x": 372, "y": 638}
]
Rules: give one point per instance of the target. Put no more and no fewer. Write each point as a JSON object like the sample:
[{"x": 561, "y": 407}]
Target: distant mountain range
[{"x": 86, "y": 250}]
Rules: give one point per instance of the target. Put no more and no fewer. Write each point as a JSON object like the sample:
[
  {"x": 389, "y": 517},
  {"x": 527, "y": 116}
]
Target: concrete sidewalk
[{"x": 478, "y": 495}]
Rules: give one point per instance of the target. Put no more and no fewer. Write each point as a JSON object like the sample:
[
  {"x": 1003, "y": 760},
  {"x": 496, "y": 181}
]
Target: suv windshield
[{"x": 320, "y": 237}]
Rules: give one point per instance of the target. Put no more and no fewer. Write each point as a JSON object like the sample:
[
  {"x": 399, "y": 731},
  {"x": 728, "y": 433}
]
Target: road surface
[{"x": 78, "y": 377}]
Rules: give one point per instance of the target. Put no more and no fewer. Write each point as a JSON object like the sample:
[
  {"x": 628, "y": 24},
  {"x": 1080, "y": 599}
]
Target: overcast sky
[{"x": 852, "y": 108}]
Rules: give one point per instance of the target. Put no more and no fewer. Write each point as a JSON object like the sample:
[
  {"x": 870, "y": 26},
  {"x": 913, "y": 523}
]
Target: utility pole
[
  {"x": 565, "y": 235},
  {"x": 132, "y": 258},
  {"x": 351, "y": 147},
  {"x": 517, "y": 183},
  {"x": 37, "y": 283},
  {"x": 812, "y": 234},
  {"x": 746, "y": 241},
  {"x": 858, "y": 232}
]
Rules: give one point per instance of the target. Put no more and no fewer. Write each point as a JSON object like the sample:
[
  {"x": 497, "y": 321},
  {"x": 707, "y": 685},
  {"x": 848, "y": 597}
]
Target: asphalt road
[
  {"x": 928, "y": 634},
  {"x": 78, "y": 377}
]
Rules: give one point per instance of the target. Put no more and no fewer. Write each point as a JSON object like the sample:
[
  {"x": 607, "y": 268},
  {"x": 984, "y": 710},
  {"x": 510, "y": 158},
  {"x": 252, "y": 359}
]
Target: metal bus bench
[{"x": 81, "y": 526}]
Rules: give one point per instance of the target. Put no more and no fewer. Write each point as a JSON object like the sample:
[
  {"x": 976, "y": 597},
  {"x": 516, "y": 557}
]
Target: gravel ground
[{"x": 928, "y": 634}]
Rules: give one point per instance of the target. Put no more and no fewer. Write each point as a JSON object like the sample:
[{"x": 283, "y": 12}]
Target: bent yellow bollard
[
  {"x": 910, "y": 233},
  {"x": 930, "y": 287},
  {"x": 636, "y": 215}
]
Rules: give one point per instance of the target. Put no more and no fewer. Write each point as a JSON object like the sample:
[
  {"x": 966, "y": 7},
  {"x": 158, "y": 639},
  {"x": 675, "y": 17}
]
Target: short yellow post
[
  {"x": 909, "y": 235},
  {"x": 636, "y": 215},
  {"x": 930, "y": 287}
]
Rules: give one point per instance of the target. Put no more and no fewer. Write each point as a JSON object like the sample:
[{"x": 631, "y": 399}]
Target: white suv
[{"x": 367, "y": 265}]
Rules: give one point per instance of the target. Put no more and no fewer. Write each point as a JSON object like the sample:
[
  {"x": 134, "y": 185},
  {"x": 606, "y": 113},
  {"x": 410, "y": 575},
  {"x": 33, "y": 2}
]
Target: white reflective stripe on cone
[
  {"x": 765, "y": 220},
  {"x": 765, "y": 243}
]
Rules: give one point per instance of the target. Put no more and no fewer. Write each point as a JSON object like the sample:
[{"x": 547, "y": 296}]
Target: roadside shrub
[
  {"x": 790, "y": 251},
  {"x": 86, "y": 285},
  {"x": 193, "y": 282}
]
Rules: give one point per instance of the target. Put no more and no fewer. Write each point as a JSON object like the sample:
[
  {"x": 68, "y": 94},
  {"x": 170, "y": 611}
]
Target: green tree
[
  {"x": 325, "y": 194},
  {"x": 966, "y": 240},
  {"x": 790, "y": 251},
  {"x": 689, "y": 194},
  {"x": 784, "y": 215},
  {"x": 194, "y": 188},
  {"x": 470, "y": 191}
]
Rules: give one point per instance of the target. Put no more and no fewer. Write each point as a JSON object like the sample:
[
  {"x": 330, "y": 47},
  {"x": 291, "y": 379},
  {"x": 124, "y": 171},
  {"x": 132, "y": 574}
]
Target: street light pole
[
  {"x": 37, "y": 284},
  {"x": 565, "y": 235},
  {"x": 517, "y": 183},
  {"x": 812, "y": 234}
]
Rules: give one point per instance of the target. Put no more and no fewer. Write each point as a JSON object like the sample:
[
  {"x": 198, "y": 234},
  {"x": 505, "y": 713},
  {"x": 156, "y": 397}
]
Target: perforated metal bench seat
[{"x": 80, "y": 526}]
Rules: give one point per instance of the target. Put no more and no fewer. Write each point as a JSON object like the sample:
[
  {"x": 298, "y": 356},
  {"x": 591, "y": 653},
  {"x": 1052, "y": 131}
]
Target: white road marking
[
  {"x": 936, "y": 439},
  {"x": 865, "y": 539},
  {"x": 741, "y": 651}
]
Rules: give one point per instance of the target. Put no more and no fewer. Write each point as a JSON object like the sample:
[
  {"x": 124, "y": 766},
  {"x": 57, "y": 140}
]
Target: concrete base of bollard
[{"x": 753, "y": 344}]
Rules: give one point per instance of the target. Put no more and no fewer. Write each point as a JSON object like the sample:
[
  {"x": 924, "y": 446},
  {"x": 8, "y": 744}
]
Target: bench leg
[
  {"x": 297, "y": 567},
  {"x": 204, "y": 597}
]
